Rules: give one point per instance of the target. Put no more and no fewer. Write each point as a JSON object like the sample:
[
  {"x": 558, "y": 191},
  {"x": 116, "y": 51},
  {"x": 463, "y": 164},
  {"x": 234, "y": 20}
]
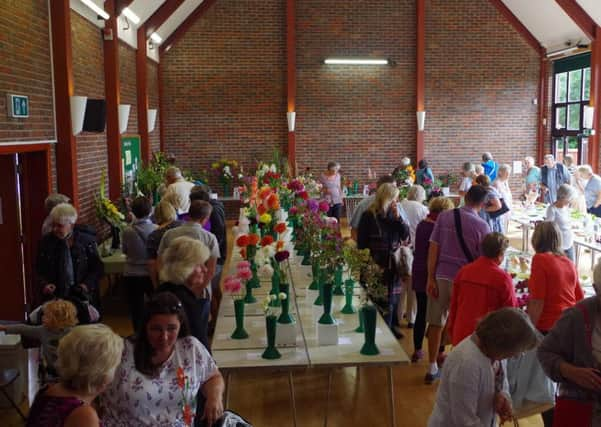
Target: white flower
[
  {"x": 236, "y": 230},
  {"x": 265, "y": 271},
  {"x": 272, "y": 297},
  {"x": 281, "y": 215},
  {"x": 273, "y": 168},
  {"x": 282, "y": 296}
]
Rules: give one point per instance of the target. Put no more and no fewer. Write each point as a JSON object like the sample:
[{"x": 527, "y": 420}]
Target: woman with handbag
[
  {"x": 571, "y": 355},
  {"x": 493, "y": 206},
  {"x": 382, "y": 230}
]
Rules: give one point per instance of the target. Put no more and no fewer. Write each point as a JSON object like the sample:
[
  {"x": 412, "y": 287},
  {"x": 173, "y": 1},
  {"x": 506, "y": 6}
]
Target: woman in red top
[{"x": 553, "y": 282}]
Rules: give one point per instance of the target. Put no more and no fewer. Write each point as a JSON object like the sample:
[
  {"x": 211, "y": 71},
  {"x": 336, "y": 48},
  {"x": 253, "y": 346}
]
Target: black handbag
[{"x": 504, "y": 209}]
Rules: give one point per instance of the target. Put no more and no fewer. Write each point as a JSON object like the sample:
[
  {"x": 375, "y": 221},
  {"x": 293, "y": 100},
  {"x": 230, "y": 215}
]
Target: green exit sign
[{"x": 18, "y": 106}]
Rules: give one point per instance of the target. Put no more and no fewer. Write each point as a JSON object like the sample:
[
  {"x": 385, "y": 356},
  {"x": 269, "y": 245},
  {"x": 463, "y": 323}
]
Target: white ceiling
[{"x": 545, "y": 19}]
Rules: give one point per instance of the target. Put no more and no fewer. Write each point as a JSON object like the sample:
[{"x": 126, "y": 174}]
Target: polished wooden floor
[{"x": 359, "y": 397}]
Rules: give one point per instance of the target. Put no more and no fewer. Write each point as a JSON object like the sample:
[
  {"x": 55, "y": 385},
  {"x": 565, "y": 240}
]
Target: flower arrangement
[
  {"x": 268, "y": 303},
  {"x": 188, "y": 405},
  {"x": 233, "y": 285},
  {"x": 226, "y": 171},
  {"x": 404, "y": 175},
  {"x": 447, "y": 179},
  {"x": 106, "y": 210}
]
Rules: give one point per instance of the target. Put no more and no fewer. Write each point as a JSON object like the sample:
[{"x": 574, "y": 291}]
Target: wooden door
[{"x": 12, "y": 288}]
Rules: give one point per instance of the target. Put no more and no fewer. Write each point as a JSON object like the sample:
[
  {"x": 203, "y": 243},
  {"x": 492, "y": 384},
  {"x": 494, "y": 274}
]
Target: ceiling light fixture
[
  {"x": 355, "y": 61},
  {"x": 135, "y": 19},
  {"x": 156, "y": 38},
  {"x": 97, "y": 9}
]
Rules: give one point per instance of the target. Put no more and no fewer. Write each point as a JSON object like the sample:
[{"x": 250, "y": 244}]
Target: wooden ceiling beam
[
  {"x": 122, "y": 4},
  {"x": 518, "y": 26},
  {"x": 159, "y": 17},
  {"x": 579, "y": 16},
  {"x": 185, "y": 26}
]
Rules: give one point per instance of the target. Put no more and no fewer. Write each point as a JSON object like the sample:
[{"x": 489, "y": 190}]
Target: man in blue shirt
[{"x": 490, "y": 166}]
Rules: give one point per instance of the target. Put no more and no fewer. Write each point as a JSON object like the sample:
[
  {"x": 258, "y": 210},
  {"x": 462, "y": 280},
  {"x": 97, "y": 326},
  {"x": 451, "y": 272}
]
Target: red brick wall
[
  {"x": 88, "y": 80},
  {"x": 481, "y": 78},
  {"x": 152, "y": 75},
  {"x": 127, "y": 82},
  {"x": 25, "y": 69},
  {"x": 224, "y": 85},
  {"x": 359, "y": 116}
]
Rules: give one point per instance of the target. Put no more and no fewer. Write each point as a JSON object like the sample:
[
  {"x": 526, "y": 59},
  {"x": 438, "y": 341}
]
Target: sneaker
[
  {"x": 417, "y": 356},
  {"x": 440, "y": 359},
  {"x": 432, "y": 378}
]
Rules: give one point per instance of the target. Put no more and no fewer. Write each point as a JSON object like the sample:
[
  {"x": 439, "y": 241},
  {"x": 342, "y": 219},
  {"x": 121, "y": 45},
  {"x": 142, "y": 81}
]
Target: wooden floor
[{"x": 359, "y": 398}]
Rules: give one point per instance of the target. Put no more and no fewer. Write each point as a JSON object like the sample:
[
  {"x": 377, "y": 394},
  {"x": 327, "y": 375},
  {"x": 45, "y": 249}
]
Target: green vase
[
  {"x": 369, "y": 318},
  {"x": 275, "y": 287},
  {"x": 227, "y": 190},
  {"x": 306, "y": 258},
  {"x": 349, "y": 287},
  {"x": 239, "y": 333},
  {"x": 285, "y": 316},
  {"x": 314, "y": 286},
  {"x": 271, "y": 352},
  {"x": 338, "y": 281},
  {"x": 319, "y": 299},
  {"x": 326, "y": 318},
  {"x": 249, "y": 298},
  {"x": 361, "y": 327},
  {"x": 254, "y": 281}
]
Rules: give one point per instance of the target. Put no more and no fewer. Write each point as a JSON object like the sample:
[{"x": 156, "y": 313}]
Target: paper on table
[
  {"x": 344, "y": 341},
  {"x": 253, "y": 356},
  {"x": 387, "y": 352}
]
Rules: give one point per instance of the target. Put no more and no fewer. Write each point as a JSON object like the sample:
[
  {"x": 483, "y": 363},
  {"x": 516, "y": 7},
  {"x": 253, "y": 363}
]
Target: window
[{"x": 571, "y": 89}]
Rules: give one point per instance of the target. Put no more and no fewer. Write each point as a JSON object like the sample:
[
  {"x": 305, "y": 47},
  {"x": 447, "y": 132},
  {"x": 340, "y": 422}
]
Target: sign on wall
[
  {"x": 18, "y": 106},
  {"x": 130, "y": 160}
]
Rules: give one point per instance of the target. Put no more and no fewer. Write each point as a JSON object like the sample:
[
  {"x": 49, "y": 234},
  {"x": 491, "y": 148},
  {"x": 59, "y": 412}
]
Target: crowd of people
[{"x": 442, "y": 267}]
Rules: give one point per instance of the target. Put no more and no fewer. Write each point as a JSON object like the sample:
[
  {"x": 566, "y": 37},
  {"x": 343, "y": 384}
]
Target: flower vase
[
  {"x": 306, "y": 257},
  {"x": 275, "y": 288},
  {"x": 326, "y": 318},
  {"x": 314, "y": 286},
  {"x": 254, "y": 281},
  {"x": 369, "y": 318},
  {"x": 271, "y": 352},
  {"x": 285, "y": 316},
  {"x": 349, "y": 286},
  {"x": 249, "y": 298},
  {"x": 239, "y": 333},
  {"x": 361, "y": 328},
  {"x": 338, "y": 282},
  {"x": 227, "y": 192},
  {"x": 115, "y": 237},
  {"x": 319, "y": 299}
]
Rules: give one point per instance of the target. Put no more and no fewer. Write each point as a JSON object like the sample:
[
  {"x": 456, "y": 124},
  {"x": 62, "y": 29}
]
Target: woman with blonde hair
[
  {"x": 87, "y": 359},
  {"x": 183, "y": 273},
  {"x": 419, "y": 270},
  {"x": 165, "y": 216},
  {"x": 382, "y": 231}
]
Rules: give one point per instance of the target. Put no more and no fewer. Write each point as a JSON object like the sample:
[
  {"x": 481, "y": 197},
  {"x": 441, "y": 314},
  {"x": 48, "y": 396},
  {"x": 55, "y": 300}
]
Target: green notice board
[{"x": 130, "y": 160}]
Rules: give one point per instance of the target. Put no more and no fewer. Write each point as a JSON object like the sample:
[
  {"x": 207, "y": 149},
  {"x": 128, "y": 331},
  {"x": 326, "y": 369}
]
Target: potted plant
[{"x": 446, "y": 180}]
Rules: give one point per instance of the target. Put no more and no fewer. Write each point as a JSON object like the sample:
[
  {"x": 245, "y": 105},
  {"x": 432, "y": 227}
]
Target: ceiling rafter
[
  {"x": 159, "y": 17},
  {"x": 518, "y": 26},
  {"x": 122, "y": 4},
  {"x": 579, "y": 16},
  {"x": 186, "y": 24}
]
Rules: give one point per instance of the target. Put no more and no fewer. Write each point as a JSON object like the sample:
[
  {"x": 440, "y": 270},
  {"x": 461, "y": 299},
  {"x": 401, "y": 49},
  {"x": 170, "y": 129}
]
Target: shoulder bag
[
  {"x": 459, "y": 232},
  {"x": 503, "y": 209}
]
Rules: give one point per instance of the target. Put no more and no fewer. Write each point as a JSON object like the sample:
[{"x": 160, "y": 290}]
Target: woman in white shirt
[
  {"x": 467, "y": 173},
  {"x": 501, "y": 184},
  {"x": 559, "y": 213},
  {"x": 473, "y": 388}
]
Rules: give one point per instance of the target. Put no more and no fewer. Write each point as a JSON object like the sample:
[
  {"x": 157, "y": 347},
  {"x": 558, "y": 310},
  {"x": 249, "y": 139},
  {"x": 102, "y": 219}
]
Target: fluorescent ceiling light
[
  {"x": 156, "y": 38},
  {"x": 131, "y": 16},
  {"x": 97, "y": 9},
  {"x": 355, "y": 61}
]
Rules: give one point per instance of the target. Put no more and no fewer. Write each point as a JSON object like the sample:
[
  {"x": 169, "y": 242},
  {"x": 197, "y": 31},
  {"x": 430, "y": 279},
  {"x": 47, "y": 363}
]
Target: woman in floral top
[{"x": 162, "y": 372}]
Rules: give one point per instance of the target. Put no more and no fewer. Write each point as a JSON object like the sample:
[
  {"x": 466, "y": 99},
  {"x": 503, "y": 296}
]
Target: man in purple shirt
[{"x": 446, "y": 256}]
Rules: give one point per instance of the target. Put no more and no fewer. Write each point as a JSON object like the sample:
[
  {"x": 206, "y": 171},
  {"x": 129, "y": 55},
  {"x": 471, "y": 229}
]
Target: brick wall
[
  {"x": 481, "y": 78},
  {"x": 360, "y": 116},
  {"x": 25, "y": 69},
  {"x": 127, "y": 82},
  {"x": 224, "y": 85},
  {"x": 152, "y": 75},
  {"x": 88, "y": 80}
]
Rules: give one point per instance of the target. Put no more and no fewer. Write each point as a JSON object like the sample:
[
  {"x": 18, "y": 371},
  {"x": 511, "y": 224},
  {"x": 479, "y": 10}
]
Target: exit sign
[{"x": 18, "y": 106}]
